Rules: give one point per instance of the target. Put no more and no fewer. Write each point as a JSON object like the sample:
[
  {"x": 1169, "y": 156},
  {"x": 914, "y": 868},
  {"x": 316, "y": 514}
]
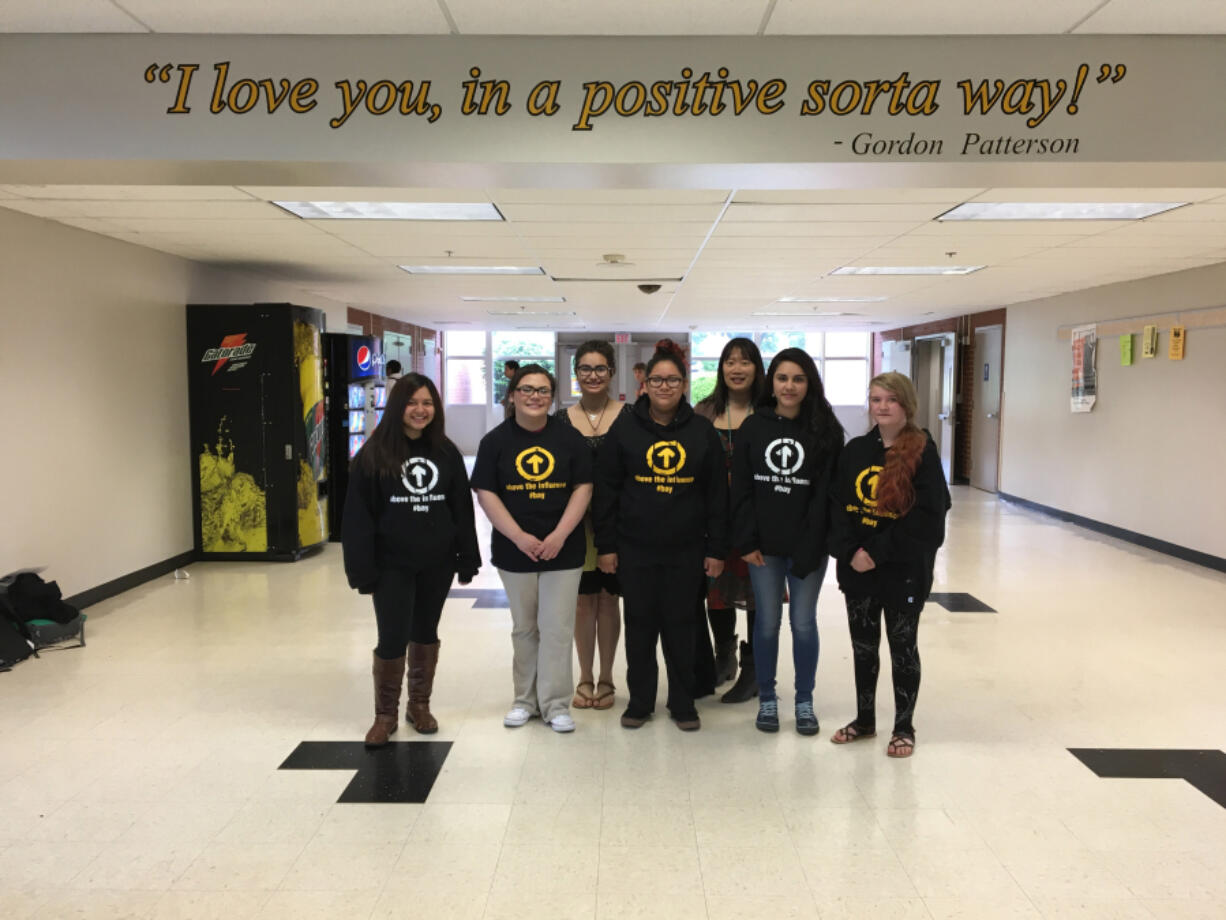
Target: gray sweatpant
[{"x": 542, "y": 632}]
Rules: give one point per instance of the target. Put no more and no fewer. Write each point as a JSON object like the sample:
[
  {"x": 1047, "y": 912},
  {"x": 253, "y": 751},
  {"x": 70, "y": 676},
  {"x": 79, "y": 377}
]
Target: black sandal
[
  {"x": 901, "y": 745},
  {"x": 851, "y": 732}
]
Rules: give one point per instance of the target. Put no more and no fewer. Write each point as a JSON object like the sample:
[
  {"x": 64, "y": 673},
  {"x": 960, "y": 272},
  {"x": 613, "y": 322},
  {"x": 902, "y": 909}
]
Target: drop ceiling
[{"x": 738, "y": 250}]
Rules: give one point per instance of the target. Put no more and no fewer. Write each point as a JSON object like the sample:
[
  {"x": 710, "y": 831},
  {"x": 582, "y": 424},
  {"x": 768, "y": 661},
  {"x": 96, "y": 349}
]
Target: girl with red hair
[{"x": 887, "y": 523}]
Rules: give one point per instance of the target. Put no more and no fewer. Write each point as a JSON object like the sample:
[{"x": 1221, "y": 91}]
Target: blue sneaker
[
  {"x": 768, "y": 716},
  {"x": 806, "y": 719}
]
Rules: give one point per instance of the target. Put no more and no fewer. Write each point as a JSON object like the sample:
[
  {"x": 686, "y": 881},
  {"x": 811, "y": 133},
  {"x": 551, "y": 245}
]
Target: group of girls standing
[{"x": 739, "y": 501}]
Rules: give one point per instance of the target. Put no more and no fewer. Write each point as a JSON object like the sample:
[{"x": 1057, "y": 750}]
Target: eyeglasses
[
  {"x": 534, "y": 391},
  {"x": 671, "y": 382},
  {"x": 586, "y": 370}
]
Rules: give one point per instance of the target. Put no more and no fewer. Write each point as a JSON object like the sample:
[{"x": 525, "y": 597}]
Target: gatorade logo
[
  {"x": 784, "y": 456},
  {"x": 419, "y": 475},
  {"x": 232, "y": 348},
  {"x": 666, "y": 458},
  {"x": 534, "y": 464},
  {"x": 364, "y": 358},
  {"x": 866, "y": 486}
]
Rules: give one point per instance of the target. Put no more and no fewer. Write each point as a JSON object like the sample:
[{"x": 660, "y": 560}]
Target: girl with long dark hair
[
  {"x": 407, "y": 531},
  {"x": 597, "y": 614},
  {"x": 740, "y": 383},
  {"x": 887, "y": 523},
  {"x": 534, "y": 480},
  {"x": 660, "y": 524},
  {"x": 781, "y": 470}
]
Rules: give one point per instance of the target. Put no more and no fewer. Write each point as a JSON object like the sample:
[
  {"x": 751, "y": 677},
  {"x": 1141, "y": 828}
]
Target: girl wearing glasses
[
  {"x": 597, "y": 617},
  {"x": 533, "y": 478},
  {"x": 887, "y": 523},
  {"x": 739, "y": 385},
  {"x": 406, "y": 532},
  {"x": 785, "y": 456},
  {"x": 660, "y": 524}
]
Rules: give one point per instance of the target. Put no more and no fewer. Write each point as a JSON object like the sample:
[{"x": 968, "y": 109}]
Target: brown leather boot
[
  {"x": 388, "y": 675},
  {"x": 422, "y": 661}
]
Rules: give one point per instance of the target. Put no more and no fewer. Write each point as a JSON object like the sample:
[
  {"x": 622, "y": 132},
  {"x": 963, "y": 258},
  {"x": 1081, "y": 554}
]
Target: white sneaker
[
  {"x": 562, "y": 722},
  {"x": 516, "y": 717}
]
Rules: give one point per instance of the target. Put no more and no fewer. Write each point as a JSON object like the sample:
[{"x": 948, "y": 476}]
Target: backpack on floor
[
  {"x": 31, "y": 598},
  {"x": 15, "y": 644}
]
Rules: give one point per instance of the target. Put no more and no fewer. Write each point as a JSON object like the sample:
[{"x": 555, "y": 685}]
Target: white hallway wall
[
  {"x": 95, "y": 470},
  {"x": 1148, "y": 457}
]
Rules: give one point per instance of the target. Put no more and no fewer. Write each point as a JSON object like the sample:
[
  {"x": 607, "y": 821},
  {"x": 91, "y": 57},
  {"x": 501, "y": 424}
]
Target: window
[
  {"x": 845, "y": 367},
  {"x": 524, "y": 347},
  {"x": 705, "y": 348},
  {"x": 465, "y": 377}
]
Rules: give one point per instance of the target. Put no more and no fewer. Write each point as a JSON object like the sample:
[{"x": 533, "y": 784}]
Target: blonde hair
[{"x": 902, "y": 388}]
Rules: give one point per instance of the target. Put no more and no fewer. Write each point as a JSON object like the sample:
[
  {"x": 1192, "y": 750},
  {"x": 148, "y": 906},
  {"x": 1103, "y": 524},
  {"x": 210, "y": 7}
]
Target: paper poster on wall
[
  {"x": 1085, "y": 377},
  {"x": 1149, "y": 342},
  {"x": 1126, "y": 349},
  {"x": 1175, "y": 352}
]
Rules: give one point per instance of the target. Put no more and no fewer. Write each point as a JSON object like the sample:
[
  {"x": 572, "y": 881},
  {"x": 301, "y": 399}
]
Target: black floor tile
[
  {"x": 403, "y": 771},
  {"x": 1204, "y": 769},
  {"x": 486, "y": 598},
  {"x": 960, "y": 603}
]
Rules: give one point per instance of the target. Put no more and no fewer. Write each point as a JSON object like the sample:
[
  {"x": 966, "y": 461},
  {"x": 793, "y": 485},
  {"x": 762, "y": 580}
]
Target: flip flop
[
  {"x": 604, "y": 698},
  {"x": 849, "y": 733},
  {"x": 583, "y": 699}
]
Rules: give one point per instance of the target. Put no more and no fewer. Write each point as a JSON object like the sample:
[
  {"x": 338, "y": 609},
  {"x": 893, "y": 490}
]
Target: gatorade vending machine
[
  {"x": 355, "y": 396},
  {"x": 255, "y": 387}
]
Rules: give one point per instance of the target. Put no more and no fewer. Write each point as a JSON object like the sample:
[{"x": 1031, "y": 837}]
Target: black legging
[
  {"x": 408, "y": 606},
  {"x": 902, "y": 627}
]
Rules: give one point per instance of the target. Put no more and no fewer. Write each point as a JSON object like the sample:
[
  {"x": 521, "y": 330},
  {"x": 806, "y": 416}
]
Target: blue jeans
[{"x": 768, "y": 581}]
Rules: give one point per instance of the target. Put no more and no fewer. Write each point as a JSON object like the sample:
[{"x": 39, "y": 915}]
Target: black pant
[
  {"x": 658, "y": 601},
  {"x": 408, "y": 606},
  {"x": 902, "y": 628}
]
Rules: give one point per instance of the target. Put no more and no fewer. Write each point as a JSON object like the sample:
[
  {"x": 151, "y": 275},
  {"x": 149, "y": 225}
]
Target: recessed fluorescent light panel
[
  {"x": 391, "y": 210},
  {"x": 811, "y": 313},
  {"x": 906, "y": 269},
  {"x": 473, "y": 269},
  {"x": 830, "y": 299},
  {"x": 530, "y": 312},
  {"x": 1064, "y": 210},
  {"x": 514, "y": 299}
]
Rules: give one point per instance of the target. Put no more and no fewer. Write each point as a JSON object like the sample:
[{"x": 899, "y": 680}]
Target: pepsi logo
[{"x": 364, "y": 358}]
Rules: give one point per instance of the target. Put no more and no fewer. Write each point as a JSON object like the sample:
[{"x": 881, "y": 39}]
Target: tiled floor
[{"x": 138, "y": 776}]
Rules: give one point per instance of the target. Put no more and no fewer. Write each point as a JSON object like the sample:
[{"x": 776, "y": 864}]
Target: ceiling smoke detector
[{"x": 613, "y": 260}]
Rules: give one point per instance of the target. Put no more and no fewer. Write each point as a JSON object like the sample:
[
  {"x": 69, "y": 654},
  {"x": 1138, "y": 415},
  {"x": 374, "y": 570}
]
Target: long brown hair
[
  {"x": 388, "y": 449},
  {"x": 896, "y": 482}
]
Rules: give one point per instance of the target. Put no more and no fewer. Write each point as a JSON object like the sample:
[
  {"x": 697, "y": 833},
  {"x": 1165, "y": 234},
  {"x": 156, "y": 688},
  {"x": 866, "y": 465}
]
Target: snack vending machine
[
  {"x": 255, "y": 389},
  {"x": 356, "y": 394}
]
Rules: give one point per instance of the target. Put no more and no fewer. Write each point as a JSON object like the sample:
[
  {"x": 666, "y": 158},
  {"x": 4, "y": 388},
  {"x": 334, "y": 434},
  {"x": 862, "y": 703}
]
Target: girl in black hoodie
[
  {"x": 888, "y": 521},
  {"x": 407, "y": 530},
  {"x": 781, "y": 471},
  {"x": 660, "y": 520}
]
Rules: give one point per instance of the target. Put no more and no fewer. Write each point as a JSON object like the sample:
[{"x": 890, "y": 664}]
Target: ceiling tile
[
  {"x": 608, "y": 17},
  {"x": 609, "y": 196},
  {"x": 294, "y": 17},
  {"x": 704, "y": 214},
  {"x": 935, "y": 17},
  {"x": 795, "y": 213},
  {"x": 1145, "y": 17},
  {"x": 949, "y": 196},
  {"x": 66, "y": 16},
  {"x": 130, "y": 192}
]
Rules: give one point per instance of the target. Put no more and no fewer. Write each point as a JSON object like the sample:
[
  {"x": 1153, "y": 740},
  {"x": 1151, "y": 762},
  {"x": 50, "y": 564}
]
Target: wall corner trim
[{"x": 1196, "y": 557}]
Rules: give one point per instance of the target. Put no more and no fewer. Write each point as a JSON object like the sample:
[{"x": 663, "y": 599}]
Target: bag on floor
[
  {"x": 34, "y": 599},
  {"x": 15, "y": 645}
]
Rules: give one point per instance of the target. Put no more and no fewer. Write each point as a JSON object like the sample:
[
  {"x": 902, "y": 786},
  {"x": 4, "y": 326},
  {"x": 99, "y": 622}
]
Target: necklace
[{"x": 595, "y": 418}]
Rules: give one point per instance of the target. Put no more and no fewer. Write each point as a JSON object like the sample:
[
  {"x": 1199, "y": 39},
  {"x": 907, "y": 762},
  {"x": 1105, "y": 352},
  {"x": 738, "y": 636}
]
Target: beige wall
[
  {"x": 95, "y": 465},
  {"x": 1148, "y": 457}
]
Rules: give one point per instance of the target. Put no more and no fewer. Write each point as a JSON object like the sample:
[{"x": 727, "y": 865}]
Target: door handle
[
  {"x": 942, "y": 415},
  {"x": 991, "y": 415}
]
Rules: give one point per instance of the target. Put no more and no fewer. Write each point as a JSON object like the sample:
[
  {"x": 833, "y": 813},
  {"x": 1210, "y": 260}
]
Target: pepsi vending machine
[
  {"x": 255, "y": 388},
  {"x": 356, "y": 395}
]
